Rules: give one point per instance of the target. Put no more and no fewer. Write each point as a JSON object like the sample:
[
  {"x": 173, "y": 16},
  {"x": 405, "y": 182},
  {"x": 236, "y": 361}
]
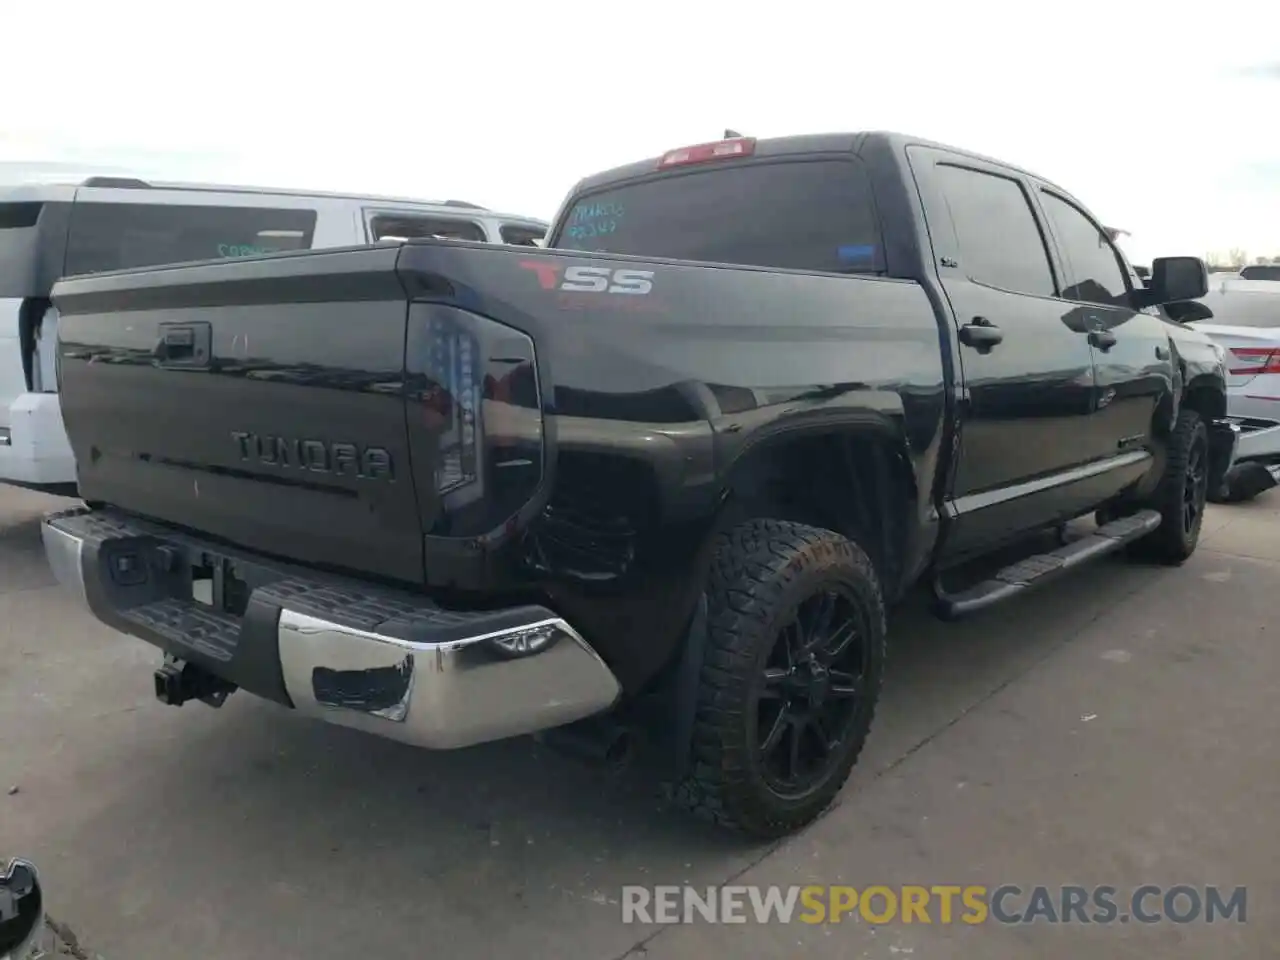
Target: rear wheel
[
  {"x": 795, "y": 659},
  {"x": 1181, "y": 496}
]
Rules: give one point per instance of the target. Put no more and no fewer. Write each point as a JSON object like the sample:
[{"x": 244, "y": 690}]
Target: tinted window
[
  {"x": 412, "y": 227},
  {"x": 19, "y": 246},
  {"x": 123, "y": 236},
  {"x": 1094, "y": 274},
  {"x": 1261, "y": 272},
  {"x": 33, "y": 246},
  {"x": 1000, "y": 242},
  {"x": 521, "y": 236},
  {"x": 797, "y": 215}
]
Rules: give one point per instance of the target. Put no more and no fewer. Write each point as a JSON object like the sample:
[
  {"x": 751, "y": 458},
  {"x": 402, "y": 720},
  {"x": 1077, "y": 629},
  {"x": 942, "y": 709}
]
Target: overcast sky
[{"x": 1159, "y": 116}]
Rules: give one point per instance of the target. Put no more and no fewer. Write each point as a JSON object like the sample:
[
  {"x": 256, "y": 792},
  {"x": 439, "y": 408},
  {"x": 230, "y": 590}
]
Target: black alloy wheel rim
[
  {"x": 811, "y": 692},
  {"x": 1195, "y": 486}
]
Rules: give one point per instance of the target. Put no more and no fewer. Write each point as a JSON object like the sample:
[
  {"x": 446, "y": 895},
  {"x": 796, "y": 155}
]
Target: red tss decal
[{"x": 586, "y": 279}]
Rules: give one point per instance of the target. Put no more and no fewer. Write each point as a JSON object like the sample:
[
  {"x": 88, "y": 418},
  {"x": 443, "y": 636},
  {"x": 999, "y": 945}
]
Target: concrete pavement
[{"x": 248, "y": 832}]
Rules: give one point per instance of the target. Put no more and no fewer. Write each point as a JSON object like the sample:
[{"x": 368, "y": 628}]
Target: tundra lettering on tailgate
[
  {"x": 588, "y": 279},
  {"x": 317, "y": 456}
]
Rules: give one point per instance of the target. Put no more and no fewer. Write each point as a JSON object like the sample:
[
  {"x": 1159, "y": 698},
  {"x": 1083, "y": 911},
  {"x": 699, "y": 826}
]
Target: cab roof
[
  {"x": 855, "y": 143},
  {"x": 51, "y": 186}
]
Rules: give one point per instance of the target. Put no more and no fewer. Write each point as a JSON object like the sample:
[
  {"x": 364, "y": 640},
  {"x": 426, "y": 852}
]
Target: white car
[{"x": 1246, "y": 323}]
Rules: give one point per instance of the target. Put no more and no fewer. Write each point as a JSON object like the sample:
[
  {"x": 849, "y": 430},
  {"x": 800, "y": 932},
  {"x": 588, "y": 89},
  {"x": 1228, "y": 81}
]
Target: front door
[
  {"x": 1027, "y": 399},
  {"x": 1132, "y": 358}
]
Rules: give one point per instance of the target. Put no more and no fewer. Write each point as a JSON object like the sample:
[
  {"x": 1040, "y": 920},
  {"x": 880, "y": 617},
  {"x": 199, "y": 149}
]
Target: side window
[
  {"x": 123, "y": 236},
  {"x": 19, "y": 250},
  {"x": 414, "y": 227},
  {"x": 1261, "y": 272},
  {"x": 520, "y": 235},
  {"x": 999, "y": 239},
  {"x": 1094, "y": 266}
]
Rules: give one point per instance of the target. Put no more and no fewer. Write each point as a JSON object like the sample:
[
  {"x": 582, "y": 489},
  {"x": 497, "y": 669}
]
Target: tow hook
[{"x": 178, "y": 681}]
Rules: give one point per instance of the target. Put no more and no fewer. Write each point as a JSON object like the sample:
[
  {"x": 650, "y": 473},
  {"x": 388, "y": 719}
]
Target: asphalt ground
[{"x": 1117, "y": 728}]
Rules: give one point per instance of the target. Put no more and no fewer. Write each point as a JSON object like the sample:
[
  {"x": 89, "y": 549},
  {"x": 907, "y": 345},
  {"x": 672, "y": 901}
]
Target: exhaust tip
[{"x": 600, "y": 742}]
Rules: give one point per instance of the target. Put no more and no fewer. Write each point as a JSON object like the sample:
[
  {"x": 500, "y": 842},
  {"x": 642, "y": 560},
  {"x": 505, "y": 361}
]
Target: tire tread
[
  {"x": 754, "y": 564},
  {"x": 1167, "y": 544}
]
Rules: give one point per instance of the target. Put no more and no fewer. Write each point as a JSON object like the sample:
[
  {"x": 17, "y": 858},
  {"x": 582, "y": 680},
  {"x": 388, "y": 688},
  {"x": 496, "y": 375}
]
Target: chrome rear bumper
[
  {"x": 442, "y": 695},
  {"x": 1259, "y": 439},
  {"x": 390, "y": 663}
]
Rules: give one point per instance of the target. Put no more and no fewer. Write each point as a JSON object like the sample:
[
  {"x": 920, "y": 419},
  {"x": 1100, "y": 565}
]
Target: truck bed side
[{"x": 654, "y": 378}]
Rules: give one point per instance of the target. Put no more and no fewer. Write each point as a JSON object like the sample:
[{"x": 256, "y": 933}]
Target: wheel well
[
  {"x": 856, "y": 483},
  {"x": 1206, "y": 399}
]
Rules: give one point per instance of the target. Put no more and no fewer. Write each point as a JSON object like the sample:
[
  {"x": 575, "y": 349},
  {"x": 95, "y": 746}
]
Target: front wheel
[
  {"x": 788, "y": 689},
  {"x": 1181, "y": 495}
]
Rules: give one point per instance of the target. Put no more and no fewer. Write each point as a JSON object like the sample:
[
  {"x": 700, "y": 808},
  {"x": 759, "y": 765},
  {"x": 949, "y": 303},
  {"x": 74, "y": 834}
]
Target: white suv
[{"x": 111, "y": 223}]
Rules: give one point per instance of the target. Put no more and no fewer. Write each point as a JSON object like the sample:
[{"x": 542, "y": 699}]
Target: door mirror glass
[{"x": 1177, "y": 278}]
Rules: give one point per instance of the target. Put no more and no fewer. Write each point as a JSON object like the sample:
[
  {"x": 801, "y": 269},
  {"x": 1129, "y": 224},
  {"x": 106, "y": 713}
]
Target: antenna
[{"x": 732, "y": 134}]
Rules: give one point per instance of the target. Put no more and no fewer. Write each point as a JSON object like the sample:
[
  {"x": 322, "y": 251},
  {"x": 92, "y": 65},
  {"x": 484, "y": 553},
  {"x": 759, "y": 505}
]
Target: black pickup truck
[{"x": 666, "y": 475}]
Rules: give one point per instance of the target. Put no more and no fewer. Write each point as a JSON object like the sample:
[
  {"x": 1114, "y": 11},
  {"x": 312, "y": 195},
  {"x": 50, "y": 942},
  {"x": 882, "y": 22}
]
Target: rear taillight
[
  {"x": 1253, "y": 361},
  {"x": 451, "y": 403},
  {"x": 475, "y": 419},
  {"x": 703, "y": 152}
]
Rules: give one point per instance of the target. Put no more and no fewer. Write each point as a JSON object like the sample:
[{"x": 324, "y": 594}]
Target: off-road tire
[
  {"x": 761, "y": 572},
  {"x": 1172, "y": 543}
]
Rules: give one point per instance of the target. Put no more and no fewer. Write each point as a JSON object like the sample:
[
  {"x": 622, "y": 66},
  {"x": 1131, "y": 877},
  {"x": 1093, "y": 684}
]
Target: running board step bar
[{"x": 1041, "y": 568}]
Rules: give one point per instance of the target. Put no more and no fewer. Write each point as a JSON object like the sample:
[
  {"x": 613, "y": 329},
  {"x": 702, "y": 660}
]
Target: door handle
[
  {"x": 184, "y": 345},
  {"x": 981, "y": 334},
  {"x": 1104, "y": 340}
]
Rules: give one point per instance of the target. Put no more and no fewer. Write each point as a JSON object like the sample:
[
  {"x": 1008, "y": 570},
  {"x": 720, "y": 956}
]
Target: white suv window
[
  {"x": 411, "y": 226},
  {"x": 122, "y": 236},
  {"x": 522, "y": 235}
]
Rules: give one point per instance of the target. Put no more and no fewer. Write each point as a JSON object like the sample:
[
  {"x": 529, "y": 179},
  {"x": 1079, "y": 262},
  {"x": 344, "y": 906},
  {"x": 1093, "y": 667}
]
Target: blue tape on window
[{"x": 856, "y": 252}]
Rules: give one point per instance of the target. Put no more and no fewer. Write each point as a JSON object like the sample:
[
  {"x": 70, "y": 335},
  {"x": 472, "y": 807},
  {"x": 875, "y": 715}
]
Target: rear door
[{"x": 1027, "y": 399}]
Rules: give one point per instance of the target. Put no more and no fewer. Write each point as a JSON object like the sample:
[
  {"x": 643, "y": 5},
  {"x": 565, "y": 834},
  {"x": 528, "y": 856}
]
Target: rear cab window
[
  {"x": 815, "y": 215},
  {"x": 124, "y": 236}
]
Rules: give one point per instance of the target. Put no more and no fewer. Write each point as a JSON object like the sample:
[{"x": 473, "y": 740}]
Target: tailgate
[{"x": 258, "y": 401}]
